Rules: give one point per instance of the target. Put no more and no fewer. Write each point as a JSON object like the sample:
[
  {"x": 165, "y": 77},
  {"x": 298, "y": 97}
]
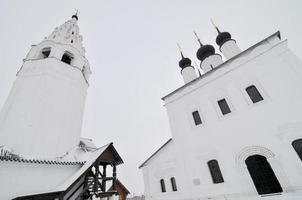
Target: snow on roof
[
  {"x": 87, "y": 144},
  {"x": 93, "y": 156},
  {"x": 41, "y": 161}
]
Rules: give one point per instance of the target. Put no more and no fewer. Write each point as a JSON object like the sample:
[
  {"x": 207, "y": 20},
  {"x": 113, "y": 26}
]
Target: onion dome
[
  {"x": 222, "y": 37},
  {"x": 204, "y": 51},
  {"x": 184, "y": 62}
]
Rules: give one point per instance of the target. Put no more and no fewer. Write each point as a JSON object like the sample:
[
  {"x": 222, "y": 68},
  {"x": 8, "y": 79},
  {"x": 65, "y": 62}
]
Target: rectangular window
[
  {"x": 173, "y": 183},
  {"x": 224, "y": 107},
  {"x": 254, "y": 94},
  {"x": 162, "y": 185},
  {"x": 215, "y": 171},
  {"x": 196, "y": 117}
]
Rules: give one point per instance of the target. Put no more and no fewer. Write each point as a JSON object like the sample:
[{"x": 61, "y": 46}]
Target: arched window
[
  {"x": 67, "y": 58},
  {"x": 215, "y": 171},
  {"x": 173, "y": 183},
  {"x": 46, "y": 52},
  {"x": 262, "y": 175},
  {"x": 297, "y": 144},
  {"x": 254, "y": 94},
  {"x": 162, "y": 185}
]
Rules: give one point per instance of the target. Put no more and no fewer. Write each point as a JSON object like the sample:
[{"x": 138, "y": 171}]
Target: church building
[
  {"x": 42, "y": 153},
  {"x": 236, "y": 129}
]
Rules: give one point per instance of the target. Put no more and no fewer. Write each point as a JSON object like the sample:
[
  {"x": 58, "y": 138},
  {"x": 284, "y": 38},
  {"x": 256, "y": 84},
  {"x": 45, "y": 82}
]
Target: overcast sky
[{"x": 131, "y": 47}]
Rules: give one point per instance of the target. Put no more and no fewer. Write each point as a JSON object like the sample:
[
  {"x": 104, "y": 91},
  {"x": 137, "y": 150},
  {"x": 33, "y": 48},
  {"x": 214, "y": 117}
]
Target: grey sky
[{"x": 131, "y": 47}]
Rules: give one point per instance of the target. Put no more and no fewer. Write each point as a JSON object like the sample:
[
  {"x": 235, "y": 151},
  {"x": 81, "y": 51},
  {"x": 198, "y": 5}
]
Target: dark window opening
[
  {"x": 297, "y": 144},
  {"x": 262, "y": 175},
  {"x": 215, "y": 171},
  {"x": 72, "y": 33},
  {"x": 173, "y": 183},
  {"x": 66, "y": 58},
  {"x": 254, "y": 94},
  {"x": 162, "y": 185},
  {"x": 196, "y": 117},
  {"x": 46, "y": 52},
  {"x": 224, "y": 107},
  {"x": 71, "y": 41}
]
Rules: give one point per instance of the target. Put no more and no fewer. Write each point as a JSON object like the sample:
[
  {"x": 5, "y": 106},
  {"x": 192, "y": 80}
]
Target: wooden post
[
  {"x": 114, "y": 177},
  {"x": 104, "y": 178}
]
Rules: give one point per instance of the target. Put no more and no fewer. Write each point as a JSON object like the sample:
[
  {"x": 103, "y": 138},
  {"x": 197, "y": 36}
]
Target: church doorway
[{"x": 262, "y": 175}]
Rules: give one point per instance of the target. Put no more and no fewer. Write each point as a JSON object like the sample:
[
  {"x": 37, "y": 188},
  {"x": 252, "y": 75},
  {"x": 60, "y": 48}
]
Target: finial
[
  {"x": 198, "y": 39},
  {"x": 180, "y": 50},
  {"x": 215, "y": 26},
  {"x": 76, "y": 15}
]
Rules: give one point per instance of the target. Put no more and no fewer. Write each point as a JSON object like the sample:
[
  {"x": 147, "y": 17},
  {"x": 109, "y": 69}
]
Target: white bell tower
[{"x": 43, "y": 113}]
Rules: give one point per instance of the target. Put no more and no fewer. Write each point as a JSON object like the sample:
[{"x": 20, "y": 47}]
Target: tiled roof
[{"x": 40, "y": 161}]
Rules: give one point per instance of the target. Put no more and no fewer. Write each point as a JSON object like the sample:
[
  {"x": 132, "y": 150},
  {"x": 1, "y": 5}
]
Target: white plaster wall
[
  {"x": 23, "y": 179},
  {"x": 163, "y": 166},
  {"x": 211, "y": 62},
  {"x": 230, "y": 49},
  {"x": 266, "y": 128},
  {"x": 42, "y": 116},
  {"x": 188, "y": 74}
]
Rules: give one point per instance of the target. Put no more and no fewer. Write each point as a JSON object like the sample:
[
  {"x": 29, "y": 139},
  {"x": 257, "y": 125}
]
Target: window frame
[
  {"x": 70, "y": 56},
  {"x": 215, "y": 179},
  {"x": 243, "y": 84},
  {"x": 173, "y": 184},
  {"x": 162, "y": 185},
  {"x": 257, "y": 92},
  {"x": 197, "y": 121},
  {"x": 229, "y": 110}
]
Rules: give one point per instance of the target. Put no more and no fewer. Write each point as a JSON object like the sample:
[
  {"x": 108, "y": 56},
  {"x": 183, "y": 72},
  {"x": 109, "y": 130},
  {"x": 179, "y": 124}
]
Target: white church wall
[
  {"x": 163, "y": 167},
  {"x": 36, "y": 178},
  {"x": 46, "y": 105},
  {"x": 249, "y": 129}
]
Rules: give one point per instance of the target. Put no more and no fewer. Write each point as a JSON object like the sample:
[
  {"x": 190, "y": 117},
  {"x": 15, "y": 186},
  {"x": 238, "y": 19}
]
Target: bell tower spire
[{"x": 43, "y": 114}]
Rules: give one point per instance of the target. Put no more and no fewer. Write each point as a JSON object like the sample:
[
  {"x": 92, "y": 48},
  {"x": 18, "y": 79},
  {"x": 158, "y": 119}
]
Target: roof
[
  {"x": 119, "y": 183},
  {"x": 40, "y": 161},
  {"x": 220, "y": 66},
  {"x": 145, "y": 162},
  {"x": 89, "y": 162},
  {"x": 99, "y": 154}
]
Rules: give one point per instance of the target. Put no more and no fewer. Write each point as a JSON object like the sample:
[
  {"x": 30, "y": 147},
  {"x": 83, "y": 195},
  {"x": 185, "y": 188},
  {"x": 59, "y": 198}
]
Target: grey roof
[
  {"x": 220, "y": 66},
  {"x": 143, "y": 164}
]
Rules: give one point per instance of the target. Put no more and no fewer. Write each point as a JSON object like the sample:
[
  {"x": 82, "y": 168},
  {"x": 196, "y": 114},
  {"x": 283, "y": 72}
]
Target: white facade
[
  {"x": 266, "y": 128},
  {"x": 42, "y": 154},
  {"x": 47, "y": 99}
]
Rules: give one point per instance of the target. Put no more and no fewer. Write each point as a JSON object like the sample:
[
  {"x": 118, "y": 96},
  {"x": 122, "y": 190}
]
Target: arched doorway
[{"x": 262, "y": 175}]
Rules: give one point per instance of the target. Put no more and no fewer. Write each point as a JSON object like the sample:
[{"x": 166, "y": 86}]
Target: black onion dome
[
  {"x": 75, "y": 16},
  {"x": 222, "y": 38},
  {"x": 205, "y": 51},
  {"x": 184, "y": 62}
]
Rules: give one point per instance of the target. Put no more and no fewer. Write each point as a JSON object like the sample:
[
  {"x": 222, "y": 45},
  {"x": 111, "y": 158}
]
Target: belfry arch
[{"x": 262, "y": 175}]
